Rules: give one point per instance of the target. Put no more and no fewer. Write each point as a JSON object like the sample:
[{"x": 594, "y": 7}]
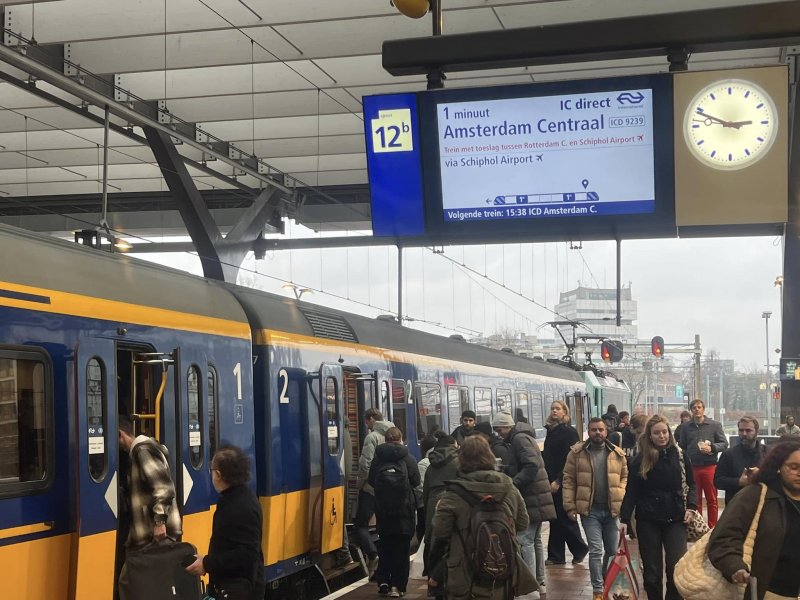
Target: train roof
[
  {"x": 275, "y": 313},
  {"x": 36, "y": 261}
]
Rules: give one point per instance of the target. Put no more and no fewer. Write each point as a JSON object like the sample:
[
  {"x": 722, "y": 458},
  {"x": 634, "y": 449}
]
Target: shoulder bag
[
  {"x": 697, "y": 527},
  {"x": 697, "y": 579}
]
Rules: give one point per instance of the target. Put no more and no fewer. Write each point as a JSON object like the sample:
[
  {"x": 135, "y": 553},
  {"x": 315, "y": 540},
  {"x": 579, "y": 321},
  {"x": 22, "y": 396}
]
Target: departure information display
[
  {"x": 551, "y": 156},
  {"x": 588, "y": 159}
]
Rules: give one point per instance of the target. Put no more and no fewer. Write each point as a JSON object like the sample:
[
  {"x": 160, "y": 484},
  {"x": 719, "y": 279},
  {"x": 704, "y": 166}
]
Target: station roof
[{"x": 281, "y": 79}]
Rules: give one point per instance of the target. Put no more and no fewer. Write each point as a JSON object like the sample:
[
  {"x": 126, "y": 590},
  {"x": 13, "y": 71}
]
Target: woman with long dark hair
[
  {"x": 656, "y": 492},
  {"x": 561, "y": 436},
  {"x": 776, "y": 551}
]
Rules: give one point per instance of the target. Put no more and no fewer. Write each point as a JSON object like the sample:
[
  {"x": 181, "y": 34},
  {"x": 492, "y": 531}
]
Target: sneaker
[
  {"x": 555, "y": 562},
  {"x": 395, "y": 593},
  {"x": 383, "y": 589}
]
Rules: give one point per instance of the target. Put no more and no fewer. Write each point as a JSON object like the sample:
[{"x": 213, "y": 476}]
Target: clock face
[{"x": 730, "y": 124}]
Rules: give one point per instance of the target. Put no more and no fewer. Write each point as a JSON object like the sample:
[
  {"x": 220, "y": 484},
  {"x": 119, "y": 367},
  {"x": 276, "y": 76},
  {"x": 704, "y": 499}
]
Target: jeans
[
  {"x": 530, "y": 541},
  {"x": 655, "y": 541},
  {"x": 704, "y": 480},
  {"x": 393, "y": 565},
  {"x": 602, "y": 533}
]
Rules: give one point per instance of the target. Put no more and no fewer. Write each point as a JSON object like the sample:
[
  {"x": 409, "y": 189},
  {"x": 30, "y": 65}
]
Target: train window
[
  {"x": 483, "y": 404},
  {"x": 523, "y": 412},
  {"x": 96, "y": 418},
  {"x": 25, "y": 422},
  {"x": 399, "y": 408},
  {"x": 538, "y": 412},
  {"x": 457, "y": 403},
  {"x": 427, "y": 397},
  {"x": 503, "y": 401},
  {"x": 332, "y": 409},
  {"x": 213, "y": 409},
  {"x": 195, "y": 429},
  {"x": 386, "y": 399}
]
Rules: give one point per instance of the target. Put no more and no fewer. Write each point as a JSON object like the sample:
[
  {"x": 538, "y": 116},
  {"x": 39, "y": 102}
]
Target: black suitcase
[{"x": 158, "y": 572}]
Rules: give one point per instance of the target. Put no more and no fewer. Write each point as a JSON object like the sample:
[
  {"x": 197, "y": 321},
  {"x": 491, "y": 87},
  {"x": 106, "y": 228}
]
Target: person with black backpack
[
  {"x": 474, "y": 532},
  {"x": 393, "y": 474}
]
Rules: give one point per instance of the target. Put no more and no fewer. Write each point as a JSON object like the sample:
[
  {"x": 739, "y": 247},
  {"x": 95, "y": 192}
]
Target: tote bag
[{"x": 621, "y": 582}]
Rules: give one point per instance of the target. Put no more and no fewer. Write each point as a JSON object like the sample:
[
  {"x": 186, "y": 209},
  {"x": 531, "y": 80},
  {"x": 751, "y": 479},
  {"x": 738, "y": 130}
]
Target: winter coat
[
  {"x": 527, "y": 470},
  {"x": 709, "y": 430},
  {"x": 731, "y": 464},
  {"x": 659, "y": 498},
  {"x": 422, "y": 467},
  {"x": 374, "y": 439},
  {"x": 460, "y": 433},
  {"x": 502, "y": 451},
  {"x": 578, "y": 479},
  {"x": 726, "y": 545},
  {"x": 629, "y": 443},
  {"x": 560, "y": 438},
  {"x": 450, "y": 525},
  {"x": 443, "y": 467},
  {"x": 152, "y": 493},
  {"x": 388, "y": 453}
]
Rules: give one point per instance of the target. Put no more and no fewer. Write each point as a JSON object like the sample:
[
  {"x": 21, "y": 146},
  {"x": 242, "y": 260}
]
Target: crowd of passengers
[
  {"x": 477, "y": 500},
  {"x": 633, "y": 476}
]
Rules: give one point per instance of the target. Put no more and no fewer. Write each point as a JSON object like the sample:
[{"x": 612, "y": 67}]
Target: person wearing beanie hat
[
  {"x": 467, "y": 427},
  {"x": 527, "y": 471}
]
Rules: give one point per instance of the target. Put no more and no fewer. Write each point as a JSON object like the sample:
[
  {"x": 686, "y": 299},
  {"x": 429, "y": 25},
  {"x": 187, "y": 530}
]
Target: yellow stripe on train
[{"x": 113, "y": 310}]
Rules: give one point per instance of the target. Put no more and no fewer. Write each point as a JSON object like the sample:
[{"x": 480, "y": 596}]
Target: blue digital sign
[{"x": 585, "y": 159}]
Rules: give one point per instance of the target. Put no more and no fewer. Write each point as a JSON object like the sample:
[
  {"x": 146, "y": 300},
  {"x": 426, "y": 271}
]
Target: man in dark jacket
[
  {"x": 467, "y": 427},
  {"x": 526, "y": 469},
  {"x": 395, "y": 511},
  {"x": 702, "y": 439},
  {"x": 737, "y": 466}
]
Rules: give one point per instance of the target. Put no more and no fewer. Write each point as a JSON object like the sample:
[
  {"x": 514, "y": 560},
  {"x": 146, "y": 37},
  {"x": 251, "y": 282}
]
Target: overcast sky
[{"x": 717, "y": 288}]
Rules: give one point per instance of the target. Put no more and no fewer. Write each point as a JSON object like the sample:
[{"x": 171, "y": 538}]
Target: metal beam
[
  {"x": 20, "y": 61},
  {"x": 731, "y": 28}
]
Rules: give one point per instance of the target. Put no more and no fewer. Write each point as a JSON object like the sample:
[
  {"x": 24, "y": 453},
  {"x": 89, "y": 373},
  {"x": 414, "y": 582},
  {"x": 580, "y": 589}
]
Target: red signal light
[{"x": 657, "y": 346}]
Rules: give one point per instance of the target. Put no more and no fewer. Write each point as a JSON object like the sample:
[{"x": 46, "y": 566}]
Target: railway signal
[
  {"x": 611, "y": 351},
  {"x": 657, "y": 346}
]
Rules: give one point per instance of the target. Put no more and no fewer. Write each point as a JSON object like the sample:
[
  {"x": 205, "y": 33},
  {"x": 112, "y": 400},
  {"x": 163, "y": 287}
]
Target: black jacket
[
  {"x": 405, "y": 525},
  {"x": 460, "y": 433},
  {"x": 527, "y": 470},
  {"x": 235, "y": 548},
  {"x": 628, "y": 444},
  {"x": 731, "y": 464},
  {"x": 502, "y": 451},
  {"x": 557, "y": 444},
  {"x": 659, "y": 498},
  {"x": 709, "y": 430}
]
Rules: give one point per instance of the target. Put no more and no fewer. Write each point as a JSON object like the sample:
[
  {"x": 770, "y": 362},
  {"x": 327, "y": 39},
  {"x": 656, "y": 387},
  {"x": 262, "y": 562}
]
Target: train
[{"x": 87, "y": 336}]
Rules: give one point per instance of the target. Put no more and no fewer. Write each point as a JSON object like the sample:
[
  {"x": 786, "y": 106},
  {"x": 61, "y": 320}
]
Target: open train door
[
  {"x": 94, "y": 574},
  {"x": 578, "y": 403},
  {"x": 326, "y": 493}
]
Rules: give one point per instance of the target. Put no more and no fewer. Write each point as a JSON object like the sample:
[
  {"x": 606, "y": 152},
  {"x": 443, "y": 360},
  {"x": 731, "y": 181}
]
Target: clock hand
[
  {"x": 738, "y": 124},
  {"x": 708, "y": 117}
]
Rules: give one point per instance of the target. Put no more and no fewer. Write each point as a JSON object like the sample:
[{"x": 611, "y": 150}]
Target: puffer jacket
[
  {"x": 450, "y": 525},
  {"x": 526, "y": 469},
  {"x": 659, "y": 498},
  {"x": 578, "y": 480},
  {"x": 443, "y": 467},
  {"x": 388, "y": 453},
  {"x": 560, "y": 438},
  {"x": 374, "y": 439},
  {"x": 725, "y": 547}
]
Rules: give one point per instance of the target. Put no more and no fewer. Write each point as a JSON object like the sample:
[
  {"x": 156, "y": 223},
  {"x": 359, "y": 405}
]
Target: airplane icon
[
  {"x": 539, "y": 157},
  {"x": 641, "y": 138}
]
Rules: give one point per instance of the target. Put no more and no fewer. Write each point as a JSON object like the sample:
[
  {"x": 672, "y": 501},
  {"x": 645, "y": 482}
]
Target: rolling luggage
[{"x": 158, "y": 572}]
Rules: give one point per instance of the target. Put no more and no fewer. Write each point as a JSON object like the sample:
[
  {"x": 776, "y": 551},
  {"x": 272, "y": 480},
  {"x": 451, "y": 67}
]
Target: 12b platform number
[{"x": 391, "y": 131}]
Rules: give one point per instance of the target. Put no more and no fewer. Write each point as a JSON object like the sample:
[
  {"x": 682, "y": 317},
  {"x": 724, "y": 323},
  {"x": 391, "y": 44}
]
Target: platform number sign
[{"x": 391, "y": 131}]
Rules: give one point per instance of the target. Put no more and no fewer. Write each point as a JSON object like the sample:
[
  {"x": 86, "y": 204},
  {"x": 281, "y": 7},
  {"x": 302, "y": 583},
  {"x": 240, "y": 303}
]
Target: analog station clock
[{"x": 730, "y": 124}]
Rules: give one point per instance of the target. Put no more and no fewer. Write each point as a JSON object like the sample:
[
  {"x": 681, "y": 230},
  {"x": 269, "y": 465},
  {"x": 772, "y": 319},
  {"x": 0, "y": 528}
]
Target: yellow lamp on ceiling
[{"x": 416, "y": 9}]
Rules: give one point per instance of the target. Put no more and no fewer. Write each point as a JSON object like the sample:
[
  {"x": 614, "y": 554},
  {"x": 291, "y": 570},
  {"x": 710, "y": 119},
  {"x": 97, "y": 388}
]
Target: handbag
[
  {"x": 697, "y": 527},
  {"x": 697, "y": 579},
  {"x": 621, "y": 582}
]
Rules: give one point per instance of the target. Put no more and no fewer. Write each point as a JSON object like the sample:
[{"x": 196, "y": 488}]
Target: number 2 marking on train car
[
  {"x": 283, "y": 377},
  {"x": 237, "y": 371}
]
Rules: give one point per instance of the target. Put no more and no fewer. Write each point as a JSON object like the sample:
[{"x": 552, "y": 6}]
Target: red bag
[{"x": 621, "y": 582}]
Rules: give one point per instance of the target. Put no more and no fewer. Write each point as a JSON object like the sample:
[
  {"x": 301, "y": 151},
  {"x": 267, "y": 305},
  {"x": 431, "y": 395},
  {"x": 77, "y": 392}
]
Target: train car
[
  {"x": 603, "y": 388},
  {"x": 86, "y": 336}
]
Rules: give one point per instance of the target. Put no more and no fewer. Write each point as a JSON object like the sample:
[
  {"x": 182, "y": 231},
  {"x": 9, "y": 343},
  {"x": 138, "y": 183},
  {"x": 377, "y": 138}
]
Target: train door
[
  {"x": 326, "y": 488},
  {"x": 98, "y": 474},
  {"x": 188, "y": 411},
  {"x": 579, "y": 407}
]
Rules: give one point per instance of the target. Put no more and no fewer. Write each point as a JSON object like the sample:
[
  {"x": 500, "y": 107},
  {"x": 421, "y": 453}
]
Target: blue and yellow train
[{"x": 87, "y": 336}]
